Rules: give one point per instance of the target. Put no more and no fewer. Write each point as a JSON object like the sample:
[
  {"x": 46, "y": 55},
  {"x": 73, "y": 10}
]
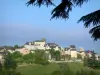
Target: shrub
[
  {"x": 56, "y": 73},
  {"x": 41, "y": 61}
]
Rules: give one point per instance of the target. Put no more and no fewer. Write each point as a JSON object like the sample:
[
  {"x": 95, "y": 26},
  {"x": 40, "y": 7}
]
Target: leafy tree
[
  {"x": 87, "y": 72},
  {"x": 92, "y": 62},
  {"x": 63, "y": 57},
  {"x": 16, "y": 55},
  {"x": 86, "y": 61},
  {"x": 63, "y": 9},
  {"x": 20, "y": 60},
  {"x": 28, "y": 58},
  {"x": 41, "y": 61},
  {"x": 93, "y": 56},
  {"x": 79, "y": 56},
  {"x": 56, "y": 72},
  {"x": 40, "y": 53},
  {"x": 57, "y": 55},
  {"x": 65, "y": 69},
  {"x": 52, "y": 52},
  {"x": 9, "y": 66},
  {"x": 40, "y": 58},
  {"x": 16, "y": 46},
  {"x": 68, "y": 56},
  {"x": 9, "y": 62}
]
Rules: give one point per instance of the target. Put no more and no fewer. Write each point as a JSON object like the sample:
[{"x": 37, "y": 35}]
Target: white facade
[
  {"x": 11, "y": 51},
  {"x": 47, "y": 47},
  {"x": 56, "y": 48},
  {"x": 74, "y": 54},
  {"x": 68, "y": 52},
  {"x": 1, "y": 57},
  {"x": 30, "y": 47},
  {"x": 36, "y": 45},
  {"x": 97, "y": 57}
]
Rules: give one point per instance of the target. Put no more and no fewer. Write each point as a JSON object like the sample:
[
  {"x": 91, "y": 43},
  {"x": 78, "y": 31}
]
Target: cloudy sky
[{"x": 20, "y": 24}]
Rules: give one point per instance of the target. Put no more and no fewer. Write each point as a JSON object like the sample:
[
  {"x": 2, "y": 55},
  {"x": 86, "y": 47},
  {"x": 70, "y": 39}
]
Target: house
[
  {"x": 38, "y": 44},
  {"x": 30, "y": 46},
  {"x": 23, "y": 50},
  {"x": 73, "y": 51},
  {"x": 82, "y": 52},
  {"x": 52, "y": 46},
  {"x": 11, "y": 51},
  {"x": 2, "y": 54},
  {"x": 97, "y": 56},
  {"x": 67, "y": 51},
  {"x": 88, "y": 53}
]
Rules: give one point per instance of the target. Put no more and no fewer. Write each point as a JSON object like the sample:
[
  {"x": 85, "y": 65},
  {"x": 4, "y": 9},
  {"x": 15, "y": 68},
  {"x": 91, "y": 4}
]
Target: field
[{"x": 45, "y": 70}]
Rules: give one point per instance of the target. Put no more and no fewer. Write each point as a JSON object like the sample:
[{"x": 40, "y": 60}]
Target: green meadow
[{"x": 35, "y": 69}]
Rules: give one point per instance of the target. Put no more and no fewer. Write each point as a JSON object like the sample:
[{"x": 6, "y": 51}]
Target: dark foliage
[
  {"x": 40, "y": 2},
  {"x": 92, "y": 62},
  {"x": 92, "y": 18},
  {"x": 95, "y": 32},
  {"x": 79, "y": 2},
  {"x": 62, "y": 11}
]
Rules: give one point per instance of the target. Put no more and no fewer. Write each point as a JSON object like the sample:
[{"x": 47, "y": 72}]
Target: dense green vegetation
[
  {"x": 37, "y": 69},
  {"x": 9, "y": 66},
  {"x": 57, "y": 69},
  {"x": 92, "y": 62},
  {"x": 41, "y": 66},
  {"x": 39, "y": 57}
]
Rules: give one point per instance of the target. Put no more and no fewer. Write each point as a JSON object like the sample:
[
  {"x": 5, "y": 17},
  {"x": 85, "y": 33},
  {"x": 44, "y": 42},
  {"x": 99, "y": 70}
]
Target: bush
[
  {"x": 87, "y": 72},
  {"x": 56, "y": 73},
  {"x": 41, "y": 61}
]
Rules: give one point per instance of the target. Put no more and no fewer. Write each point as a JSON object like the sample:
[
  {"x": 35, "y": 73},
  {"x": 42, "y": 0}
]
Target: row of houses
[{"x": 43, "y": 45}]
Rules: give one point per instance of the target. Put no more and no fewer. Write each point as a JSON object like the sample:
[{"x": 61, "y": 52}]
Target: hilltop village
[{"x": 32, "y": 47}]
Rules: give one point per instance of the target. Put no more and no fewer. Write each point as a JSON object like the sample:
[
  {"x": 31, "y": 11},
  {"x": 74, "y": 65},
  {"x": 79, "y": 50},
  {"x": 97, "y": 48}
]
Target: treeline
[
  {"x": 39, "y": 57},
  {"x": 9, "y": 66},
  {"x": 91, "y": 62},
  {"x": 66, "y": 70}
]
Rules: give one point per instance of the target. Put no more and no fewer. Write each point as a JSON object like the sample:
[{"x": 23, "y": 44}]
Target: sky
[{"x": 20, "y": 24}]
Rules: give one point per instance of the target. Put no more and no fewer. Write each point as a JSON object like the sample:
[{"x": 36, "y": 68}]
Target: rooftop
[{"x": 72, "y": 46}]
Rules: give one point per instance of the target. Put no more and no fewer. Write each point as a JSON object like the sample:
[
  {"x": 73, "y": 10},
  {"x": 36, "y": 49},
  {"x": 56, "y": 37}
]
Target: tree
[
  {"x": 79, "y": 56},
  {"x": 40, "y": 57},
  {"x": 68, "y": 56},
  {"x": 28, "y": 58},
  {"x": 57, "y": 55},
  {"x": 86, "y": 61},
  {"x": 9, "y": 62},
  {"x": 16, "y": 55},
  {"x": 52, "y": 52},
  {"x": 16, "y": 46},
  {"x": 65, "y": 7},
  {"x": 92, "y": 62},
  {"x": 9, "y": 66}
]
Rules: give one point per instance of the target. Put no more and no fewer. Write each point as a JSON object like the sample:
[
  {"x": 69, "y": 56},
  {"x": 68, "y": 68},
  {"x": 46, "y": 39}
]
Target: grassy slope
[
  {"x": 46, "y": 70},
  {"x": 75, "y": 66},
  {"x": 38, "y": 69}
]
